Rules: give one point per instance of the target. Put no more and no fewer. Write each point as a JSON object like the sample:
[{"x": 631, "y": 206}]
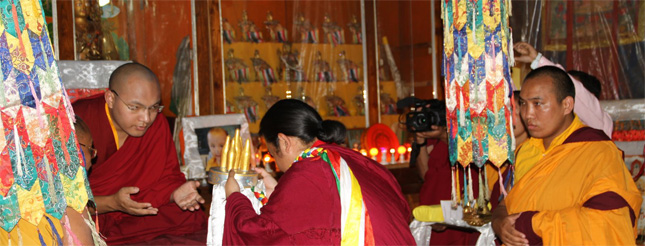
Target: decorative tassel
[
  {"x": 68, "y": 105},
  {"x": 502, "y": 190},
  {"x": 487, "y": 190},
  {"x": 457, "y": 183},
  {"x": 39, "y": 107},
  {"x": 453, "y": 194},
  {"x": 470, "y": 186},
  {"x": 19, "y": 236},
  {"x": 96, "y": 216},
  {"x": 512, "y": 176},
  {"x": 96, "y": 236},
  {"x": 480, "y": 198},
  {"x": 16, "y": 141},
  {"x": 9, "y": 239},
  {"x": 51, "y": 224},
  {"x": 465, "y": 189},
  {"x": 511, "y": 53},
  {"x": 510, "y": 179},
  {"x": 72, "y": 239},
  {"x": 40, "y": 236}
]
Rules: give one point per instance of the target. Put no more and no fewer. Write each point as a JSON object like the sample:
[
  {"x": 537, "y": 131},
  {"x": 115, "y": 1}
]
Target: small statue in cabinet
[
  {"x": 307, "y": 99},
  {"x": 334, "y": 33},
  {"x": 336, "y": 105},
  {"x": 308, "y": 33},
  {"x": 290, "y": 67},
  {"x": 263, "y": 71},
  {"x": 388, "y": 104},
  {"x": 248, "y": 106},
  {"x": 236, "y": 68},
  {"x": 359, "y": 101},
  {"x": 348, "y": 67},
  {"x": 356, "y": 30},
  {"x": 253, "y": 35},
  {"x": 268, "y": 98},
  {"x": 322, "y": 70},
  {"x": 277, "y": 32},
  {"x": 228, "y": 32}
]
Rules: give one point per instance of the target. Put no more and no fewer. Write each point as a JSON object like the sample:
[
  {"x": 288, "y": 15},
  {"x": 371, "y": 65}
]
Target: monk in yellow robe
[{"x": 577, "y": 190}]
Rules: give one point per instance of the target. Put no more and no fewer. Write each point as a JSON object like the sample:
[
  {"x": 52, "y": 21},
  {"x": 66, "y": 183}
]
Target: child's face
[{"x": 216, "y": 143}]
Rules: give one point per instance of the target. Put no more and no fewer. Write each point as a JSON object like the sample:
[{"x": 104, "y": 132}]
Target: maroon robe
[
  {"x": 148, "y": 162},
  {"x": 305, "y": 206},
  {"x": 438, "y": 186}
]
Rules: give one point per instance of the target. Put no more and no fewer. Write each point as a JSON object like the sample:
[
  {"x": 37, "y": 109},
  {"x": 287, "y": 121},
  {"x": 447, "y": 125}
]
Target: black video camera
[{"x": 428, "y": 113}]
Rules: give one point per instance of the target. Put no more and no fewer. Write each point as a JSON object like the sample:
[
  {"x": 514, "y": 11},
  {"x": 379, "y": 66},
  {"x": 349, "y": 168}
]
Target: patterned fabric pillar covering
[
  {"x": 41, "y": 166},
  {"x": 477, "y": 57}
]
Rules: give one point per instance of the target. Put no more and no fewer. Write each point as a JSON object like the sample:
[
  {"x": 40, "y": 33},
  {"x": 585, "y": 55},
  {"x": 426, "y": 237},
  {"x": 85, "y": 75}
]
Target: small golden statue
[
  {"x": 247, "y": 105},
  {"x": 336, "y": 104},
  {"x": 278, "y": 33},
  {"x": 355, "y": 28},
  {"x": 268, "y": 98},
  {"x": 322, "y": 70},
  {"x": 359, "y": 101},
  {"x": 308, "y": 33},
  {"x": 290, "y": 68},
  {"x": 334, "y": 33},
  {"x": 237, "y": 70},
  {"x": 262, "y": 69},
  {"x": 351, "y": 71},
  {"x": 228, "y": 32},
  {"x": 87, "y": 17},
  {"x": 388, "y": 104},
  {"x": 307, "y": 99},
  {"x": 476, "y": 214},
  {"x": 253, "y": 35},
  {"x": 245, "y": 26}
]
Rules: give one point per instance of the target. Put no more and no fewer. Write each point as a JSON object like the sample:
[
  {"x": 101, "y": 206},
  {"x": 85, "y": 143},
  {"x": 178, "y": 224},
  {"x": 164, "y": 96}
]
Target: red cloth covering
[
  {"x": 148, "y": 162},
  {"x": 305, "y": 206},
  {"x": 438, "y": 186},
  {"x": 78, "y": 94}
]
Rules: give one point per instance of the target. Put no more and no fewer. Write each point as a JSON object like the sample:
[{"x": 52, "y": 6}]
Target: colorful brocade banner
[
  {"x": 477, "y": 57},
  {"x": 41, "y": 166}
]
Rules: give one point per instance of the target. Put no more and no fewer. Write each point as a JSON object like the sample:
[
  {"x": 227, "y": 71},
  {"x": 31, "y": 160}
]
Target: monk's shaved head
[
  {"x": 81, "y": 128},
  {"x": 562, "y": 84},
  {"x": 134, "y": 99},
  {"x": 121, "y": 74}
]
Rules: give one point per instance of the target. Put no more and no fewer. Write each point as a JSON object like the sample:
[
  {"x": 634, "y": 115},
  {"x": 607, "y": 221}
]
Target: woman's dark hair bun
[{"x": 332, "y": 132}]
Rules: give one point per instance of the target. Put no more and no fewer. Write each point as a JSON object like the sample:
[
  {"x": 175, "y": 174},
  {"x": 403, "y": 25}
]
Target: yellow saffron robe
[{"x": 578, "y": 193}]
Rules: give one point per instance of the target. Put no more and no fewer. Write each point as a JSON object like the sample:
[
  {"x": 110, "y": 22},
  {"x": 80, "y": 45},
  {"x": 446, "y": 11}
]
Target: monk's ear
[
  {"x": 109, "y": 98},
  {"x": 567, "y": 104}
]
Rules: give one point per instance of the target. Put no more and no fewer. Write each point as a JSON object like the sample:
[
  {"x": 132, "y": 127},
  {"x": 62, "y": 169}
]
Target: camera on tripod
[{"x": 426, "y": 113}]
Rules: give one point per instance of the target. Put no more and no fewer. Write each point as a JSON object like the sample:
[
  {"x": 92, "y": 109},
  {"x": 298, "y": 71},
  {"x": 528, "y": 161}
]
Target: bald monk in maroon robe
[{"x": 139, "y": 190}]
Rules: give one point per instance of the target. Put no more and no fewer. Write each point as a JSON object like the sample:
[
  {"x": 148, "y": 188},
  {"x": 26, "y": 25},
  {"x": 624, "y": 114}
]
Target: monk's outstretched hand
[
  {"x": 269, "y": 181},
  {"x": 187, "y": 197},
  {"x": 231, "y": 185},
  {"x": 124, "y": 203}
]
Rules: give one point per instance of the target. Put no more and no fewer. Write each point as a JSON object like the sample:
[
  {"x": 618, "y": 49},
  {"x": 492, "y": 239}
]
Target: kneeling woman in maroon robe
[{"x": 327, "y": 194}]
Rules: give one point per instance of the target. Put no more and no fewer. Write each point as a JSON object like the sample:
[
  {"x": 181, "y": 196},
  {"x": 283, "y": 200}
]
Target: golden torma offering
[{"x": 234, "y": 157}]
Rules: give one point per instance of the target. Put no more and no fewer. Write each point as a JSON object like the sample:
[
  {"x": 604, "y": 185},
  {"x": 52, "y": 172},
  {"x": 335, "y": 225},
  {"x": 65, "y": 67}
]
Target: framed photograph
[{"x": 203, "y": 137}]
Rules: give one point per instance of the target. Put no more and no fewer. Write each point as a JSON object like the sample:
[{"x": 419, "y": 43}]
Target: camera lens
[{"x": 421, "y": 120}]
